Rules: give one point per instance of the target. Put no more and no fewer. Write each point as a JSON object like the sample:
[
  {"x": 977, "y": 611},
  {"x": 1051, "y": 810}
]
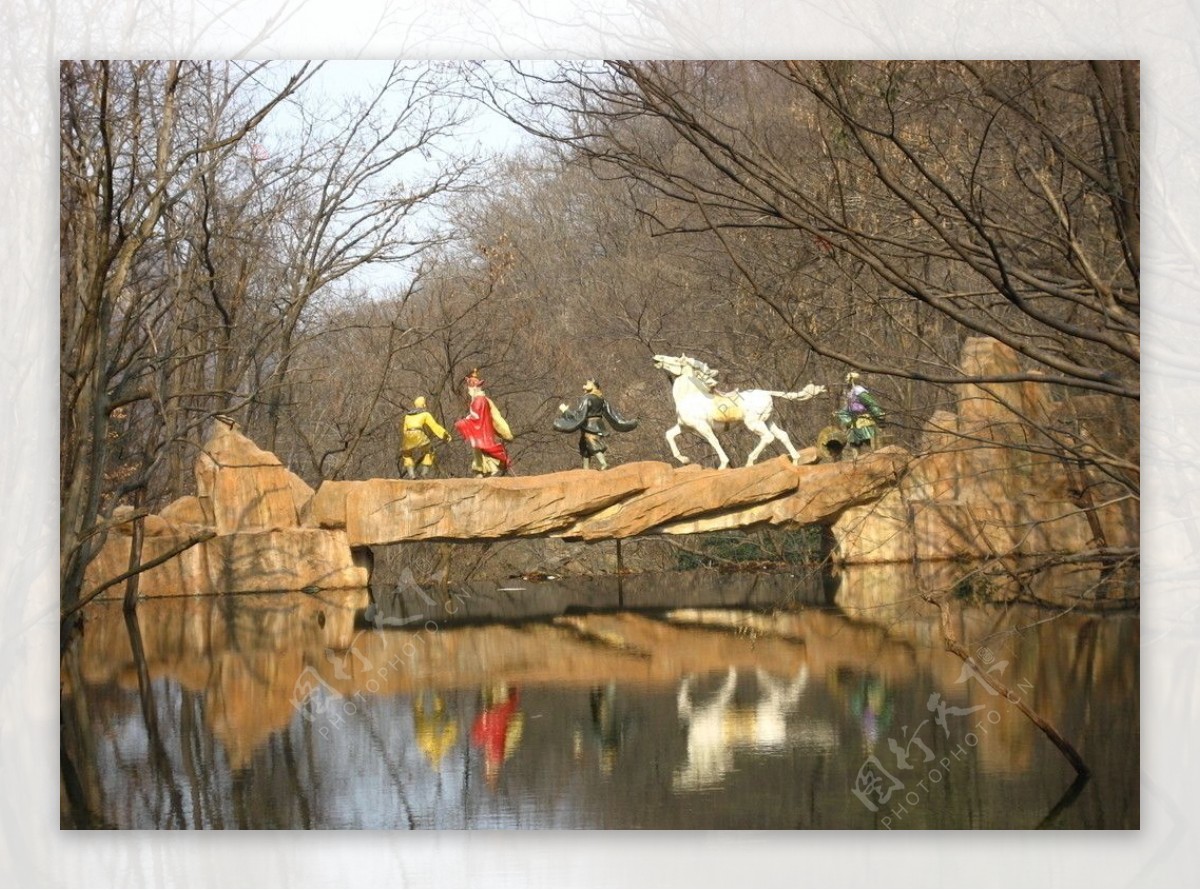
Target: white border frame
[{"x": 1165, "y": 37}]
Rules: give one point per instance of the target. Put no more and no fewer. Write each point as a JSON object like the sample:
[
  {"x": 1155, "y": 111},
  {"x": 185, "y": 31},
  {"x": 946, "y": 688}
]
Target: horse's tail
[{"x": 807, "y": 393}]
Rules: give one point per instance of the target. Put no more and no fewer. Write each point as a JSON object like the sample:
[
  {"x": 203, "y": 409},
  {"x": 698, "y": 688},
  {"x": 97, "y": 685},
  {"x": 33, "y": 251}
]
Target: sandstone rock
[
  {"x": 383, "y": 511},
  {"x": 242, "y": 487},
  {"x": 690, "y": 491},
  {"x": 185, "y": 573},
  {"x": 875, "y": 533},
  {"x": 625, "y": 501},
  {"x": 278, "y": 560},
  {"x": 988, "y": 483},
  {"x": 821, "y": 494},
  {"x": 184, "y": 511},
  {"x": 254, "y": 504},
  {"x": 283, "y": 559}
]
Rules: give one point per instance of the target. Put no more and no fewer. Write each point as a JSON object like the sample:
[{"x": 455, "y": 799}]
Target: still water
[{"x": 688, "y": 700}]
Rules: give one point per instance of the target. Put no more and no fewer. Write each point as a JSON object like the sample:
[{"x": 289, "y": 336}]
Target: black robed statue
[{"x": 589, "y": 419}]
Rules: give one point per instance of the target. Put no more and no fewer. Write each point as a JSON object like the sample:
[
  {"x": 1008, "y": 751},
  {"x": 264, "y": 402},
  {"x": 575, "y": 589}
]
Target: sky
[
  {"x": 491, "y": 133},
  {"x": 488, "y": 134}
]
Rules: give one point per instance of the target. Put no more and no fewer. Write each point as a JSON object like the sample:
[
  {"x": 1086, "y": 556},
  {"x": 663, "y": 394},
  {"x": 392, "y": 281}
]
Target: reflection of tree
[
  {"x": 170, "y": 796},
  {"x": 306, "y": 771},
  {"x": 82, "y": 790},
  {"x": 230, "y": 665},
  {"x": 984, "y": 606},
  {"x": 1065, "y": 802},
  {"x": 192, "y": 738},
  {"x": 953, "y": 644}
]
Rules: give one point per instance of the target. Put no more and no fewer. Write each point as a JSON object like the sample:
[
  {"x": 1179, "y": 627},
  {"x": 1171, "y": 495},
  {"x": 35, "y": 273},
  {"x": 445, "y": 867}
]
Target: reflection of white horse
[
  {"x": 716, "y": 730},
  {"x": 698, "y": 407}
]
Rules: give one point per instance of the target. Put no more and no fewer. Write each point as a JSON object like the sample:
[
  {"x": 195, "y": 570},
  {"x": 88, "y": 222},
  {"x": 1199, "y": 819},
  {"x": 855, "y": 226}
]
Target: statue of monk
[
  {"x": 589, "y": 419},
  {"x": 485, "y": 430},
  {"x": 416, "y": 448}
]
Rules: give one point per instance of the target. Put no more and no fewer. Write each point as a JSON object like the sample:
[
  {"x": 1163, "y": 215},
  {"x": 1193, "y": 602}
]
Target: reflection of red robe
[
  {"x": 478, "y": 430},
  {"x": 490, "y": 731}
]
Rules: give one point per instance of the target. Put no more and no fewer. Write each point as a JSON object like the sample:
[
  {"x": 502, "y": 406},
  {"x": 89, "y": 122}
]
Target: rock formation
[
  {"x": 254, "y": 505},
  {"x": 989, "y": 482},
  {"x": 272, "y": 532},
  {"x": 628, "y": 500}
]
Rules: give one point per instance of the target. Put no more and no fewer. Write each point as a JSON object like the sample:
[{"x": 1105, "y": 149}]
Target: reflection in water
[
  {"x": 435, "y": 728},
  {"x": 867, "y": 699},
  {"x": 498, "y": 728},
  {"x": 275, "y": 711},
  {"x": 607, "y": 730},
  {"x": 718, "y": 729},
  {"x": 169, "y": 798}
]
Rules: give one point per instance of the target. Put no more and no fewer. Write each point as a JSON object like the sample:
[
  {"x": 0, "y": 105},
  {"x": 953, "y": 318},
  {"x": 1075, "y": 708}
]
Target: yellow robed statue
[
  {"x": 416, "y": 448},
  {"x": 436, "y": 730}
]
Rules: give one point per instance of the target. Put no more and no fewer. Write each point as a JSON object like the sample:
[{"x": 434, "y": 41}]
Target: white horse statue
[{"x": 698, "y": 407}]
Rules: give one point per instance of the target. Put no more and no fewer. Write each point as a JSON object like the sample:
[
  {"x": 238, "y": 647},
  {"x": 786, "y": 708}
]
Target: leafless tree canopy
[{"x": 1003, "y": 196}]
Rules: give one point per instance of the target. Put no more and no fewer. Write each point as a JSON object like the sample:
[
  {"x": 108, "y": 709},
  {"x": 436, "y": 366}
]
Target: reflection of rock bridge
[{"x": 257, "y": 659}]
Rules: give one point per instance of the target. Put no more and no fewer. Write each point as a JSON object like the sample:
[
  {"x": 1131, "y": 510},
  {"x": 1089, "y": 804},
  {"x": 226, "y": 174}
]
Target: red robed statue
[{"x": 485, "y": 430}]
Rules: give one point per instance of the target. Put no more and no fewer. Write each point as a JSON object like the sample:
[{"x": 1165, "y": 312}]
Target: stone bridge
[
  {"x": 586, "y": 505},
  {"x": 255, "y": 526},
  {"x": 986, "y": 483}
]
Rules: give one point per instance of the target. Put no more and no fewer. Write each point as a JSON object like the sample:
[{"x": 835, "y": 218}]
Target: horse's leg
[
  {"x": 765, "y": 438},
  {"x": 786, "y": 440},
  {"x": 710, "y": 437},
  {"x": 672, "y": 435}
]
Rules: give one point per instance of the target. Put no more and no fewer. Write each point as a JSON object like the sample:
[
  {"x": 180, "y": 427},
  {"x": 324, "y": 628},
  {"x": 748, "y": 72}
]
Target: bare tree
[
  {"x": 199, "y": 243},
  {"x": 1003, "y": 195},
  {"x": 134, "y": 141}
]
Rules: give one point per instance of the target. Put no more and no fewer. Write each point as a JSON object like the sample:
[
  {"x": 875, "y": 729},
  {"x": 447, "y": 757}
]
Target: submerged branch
[{"x": 954, "y": 645}]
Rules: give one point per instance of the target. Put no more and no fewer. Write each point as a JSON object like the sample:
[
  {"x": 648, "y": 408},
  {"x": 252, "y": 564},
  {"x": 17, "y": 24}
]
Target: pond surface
[{"x": 690, "y": 700}]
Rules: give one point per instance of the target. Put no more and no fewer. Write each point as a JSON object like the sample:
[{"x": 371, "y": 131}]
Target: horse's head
[
  {"x": 683, "y": 365},
  {"x": 672, "y": 364}
]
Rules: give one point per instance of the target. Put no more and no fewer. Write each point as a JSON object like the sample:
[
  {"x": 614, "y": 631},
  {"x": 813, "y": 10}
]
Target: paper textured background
[{"x": 1164, "y": 36}]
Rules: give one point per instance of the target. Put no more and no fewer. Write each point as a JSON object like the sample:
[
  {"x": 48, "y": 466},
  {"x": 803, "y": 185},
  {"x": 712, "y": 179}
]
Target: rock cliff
[{"x": 254, "y": 505}]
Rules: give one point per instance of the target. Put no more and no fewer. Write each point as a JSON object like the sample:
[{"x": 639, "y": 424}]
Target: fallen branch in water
[{"x": 952, "y": 644}]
